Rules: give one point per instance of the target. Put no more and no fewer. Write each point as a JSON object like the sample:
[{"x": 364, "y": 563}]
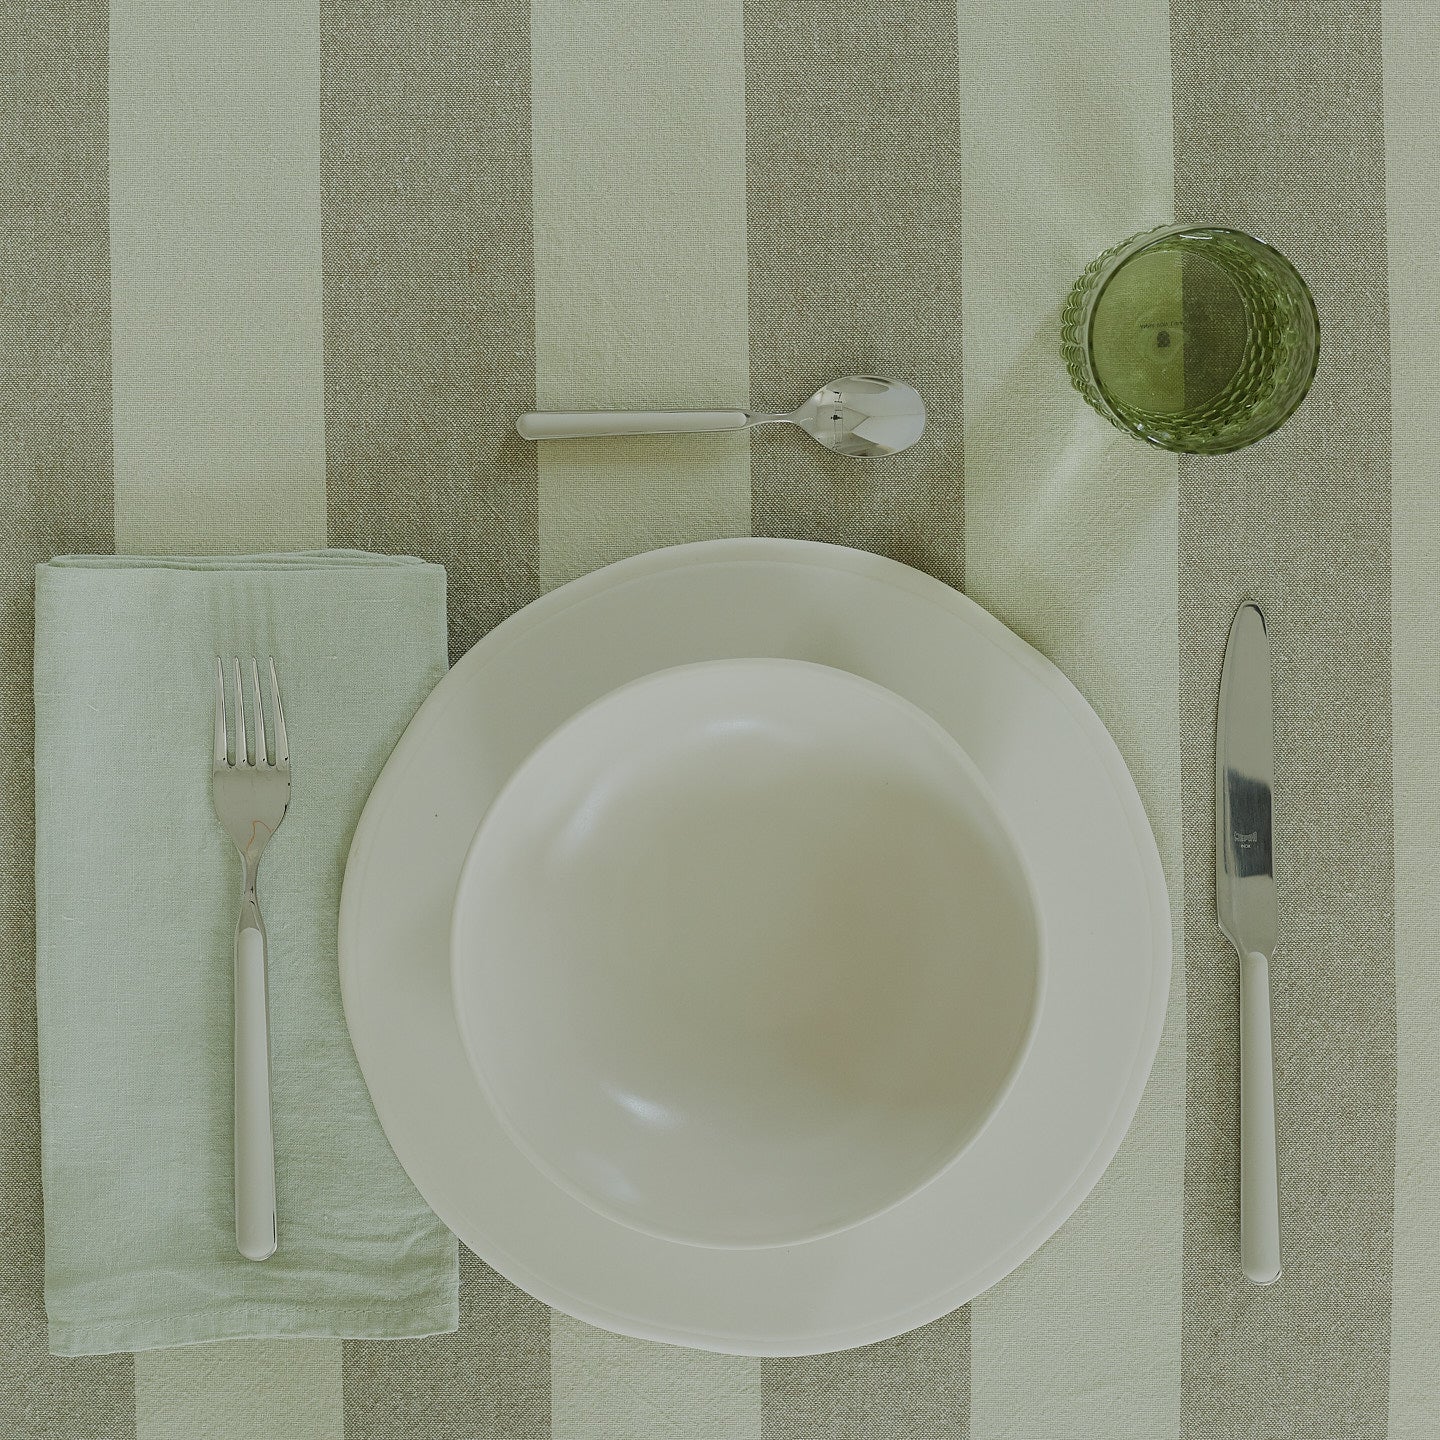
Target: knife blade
[{"x": 1248, "y": 917}]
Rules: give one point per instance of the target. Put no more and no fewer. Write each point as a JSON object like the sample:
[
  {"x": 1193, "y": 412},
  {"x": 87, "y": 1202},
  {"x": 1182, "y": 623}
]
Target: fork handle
[{"x": 254, "y": 1141}]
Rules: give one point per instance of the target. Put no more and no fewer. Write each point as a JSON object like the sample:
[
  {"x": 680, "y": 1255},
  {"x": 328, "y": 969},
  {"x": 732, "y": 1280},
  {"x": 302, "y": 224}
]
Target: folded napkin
[{"x": 137, "y": 891}]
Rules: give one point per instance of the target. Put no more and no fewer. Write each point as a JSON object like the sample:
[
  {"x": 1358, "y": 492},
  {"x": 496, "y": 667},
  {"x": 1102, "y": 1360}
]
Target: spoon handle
[{"x": 576, "y": 425}]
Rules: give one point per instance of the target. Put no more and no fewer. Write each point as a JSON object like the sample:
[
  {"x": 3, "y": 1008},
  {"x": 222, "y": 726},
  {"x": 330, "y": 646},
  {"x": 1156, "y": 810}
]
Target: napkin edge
[
  {"x": 325, "y": 559},
  {"x": 440, "y": 1316}
]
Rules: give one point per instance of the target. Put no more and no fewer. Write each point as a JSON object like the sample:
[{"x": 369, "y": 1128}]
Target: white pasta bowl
[{"x": 744, "y": 954}]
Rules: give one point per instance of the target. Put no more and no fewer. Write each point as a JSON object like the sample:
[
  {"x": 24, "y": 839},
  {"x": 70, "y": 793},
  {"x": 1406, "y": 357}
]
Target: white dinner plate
[
  {"x": 1066, "y": 797},
  {"x": 744, "y": 953}
]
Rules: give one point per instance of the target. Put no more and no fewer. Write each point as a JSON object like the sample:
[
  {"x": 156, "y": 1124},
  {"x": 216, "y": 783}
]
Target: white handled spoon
[{"x": 859, "y": 415}]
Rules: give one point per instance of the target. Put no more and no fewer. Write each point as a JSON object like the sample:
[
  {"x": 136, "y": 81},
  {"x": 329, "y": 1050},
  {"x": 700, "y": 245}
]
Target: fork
[{"x": 251, "y": 797}]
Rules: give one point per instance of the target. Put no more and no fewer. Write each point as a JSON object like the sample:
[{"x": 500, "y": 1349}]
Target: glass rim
[{"x": 1137, "y": 245}]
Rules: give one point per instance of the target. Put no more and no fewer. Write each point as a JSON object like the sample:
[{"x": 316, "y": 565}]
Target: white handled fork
[{"x": 251, "y": 796}]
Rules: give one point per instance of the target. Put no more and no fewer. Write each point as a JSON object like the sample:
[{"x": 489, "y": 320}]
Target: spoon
[{"x": 859, "y": 415}]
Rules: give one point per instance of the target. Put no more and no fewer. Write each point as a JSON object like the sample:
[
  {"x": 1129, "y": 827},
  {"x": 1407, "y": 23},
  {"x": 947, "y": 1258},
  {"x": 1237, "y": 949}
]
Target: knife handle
[{"x": 1259, "y": 1180}]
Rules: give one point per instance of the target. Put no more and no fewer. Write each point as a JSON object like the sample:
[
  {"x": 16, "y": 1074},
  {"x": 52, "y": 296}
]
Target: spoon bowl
[{"x": 862, "y": 415}]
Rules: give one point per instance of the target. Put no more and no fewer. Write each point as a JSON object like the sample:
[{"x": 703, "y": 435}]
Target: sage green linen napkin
[{"x": 137, "y": 890}]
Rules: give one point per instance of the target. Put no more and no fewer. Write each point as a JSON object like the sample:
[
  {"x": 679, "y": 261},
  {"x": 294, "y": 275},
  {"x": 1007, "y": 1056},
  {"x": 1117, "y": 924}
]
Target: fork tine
[
  {"x": 282, "y": 743},
  {"x": 222, "y": 756},
  {"x": 242, "y": 746},
  {"x": 262, "y": 752}
]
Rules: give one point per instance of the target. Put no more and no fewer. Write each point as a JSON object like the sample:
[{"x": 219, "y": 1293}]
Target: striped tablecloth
[{"x": 281, "y": 275}]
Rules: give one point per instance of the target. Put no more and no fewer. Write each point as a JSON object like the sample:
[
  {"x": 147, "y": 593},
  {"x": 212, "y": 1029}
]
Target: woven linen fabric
[
  {"x": 281, "y": 277},
  {"x": 137, "y": 892}
]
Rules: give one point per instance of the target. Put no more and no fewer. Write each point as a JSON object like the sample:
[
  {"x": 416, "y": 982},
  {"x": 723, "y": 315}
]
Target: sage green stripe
[
  {"x": 1412, "y": 52},
  {"x": 488, "y": 1381},
  {"x": 853, "y": 123},
  {"x": 914, "y": 1387},
  {"x": 1070, "y": 538},
  {"x": 429, "y": 356},
  {"x": 429, "y": 293},
  {"x": 55, "y": 496},
  {"x": 1279, "y": 129}
]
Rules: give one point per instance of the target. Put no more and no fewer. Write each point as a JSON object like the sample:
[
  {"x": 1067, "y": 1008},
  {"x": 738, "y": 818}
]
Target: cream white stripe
[
  {"x": 240, "y": 1390},
  {"x": 640, "y": 282},
  {"x": 1070, "y": 531},
  {"x": 1412, "y": 60},
  {"x": 641, "y": 300},
  {"x": 215, "y": 255},
  {"x": 606, "y": 1387},
  {"x": 219, "y": 440}
]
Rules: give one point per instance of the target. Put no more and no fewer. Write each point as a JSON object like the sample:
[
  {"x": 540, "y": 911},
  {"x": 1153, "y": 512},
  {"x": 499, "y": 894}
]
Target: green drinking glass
[{"x": 1192, "y": 337}]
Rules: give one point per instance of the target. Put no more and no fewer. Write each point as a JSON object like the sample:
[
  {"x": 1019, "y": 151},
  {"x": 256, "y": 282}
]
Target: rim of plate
[{"x": 769, "y": 552}]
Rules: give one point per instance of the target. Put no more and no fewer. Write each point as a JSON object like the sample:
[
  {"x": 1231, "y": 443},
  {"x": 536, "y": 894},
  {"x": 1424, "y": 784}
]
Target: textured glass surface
[{"x": 1194, "y": 338}]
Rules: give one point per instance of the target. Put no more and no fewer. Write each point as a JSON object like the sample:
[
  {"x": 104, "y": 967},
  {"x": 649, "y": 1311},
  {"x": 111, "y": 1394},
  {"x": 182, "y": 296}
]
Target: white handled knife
[{"x": 1245, "y": 901}]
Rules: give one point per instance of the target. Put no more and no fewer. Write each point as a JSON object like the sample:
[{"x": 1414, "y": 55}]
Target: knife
[{"x": 1245, "y": 903}]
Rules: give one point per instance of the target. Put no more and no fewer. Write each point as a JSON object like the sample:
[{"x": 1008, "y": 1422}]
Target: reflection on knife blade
[{"x": 1250, "y": 809}]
